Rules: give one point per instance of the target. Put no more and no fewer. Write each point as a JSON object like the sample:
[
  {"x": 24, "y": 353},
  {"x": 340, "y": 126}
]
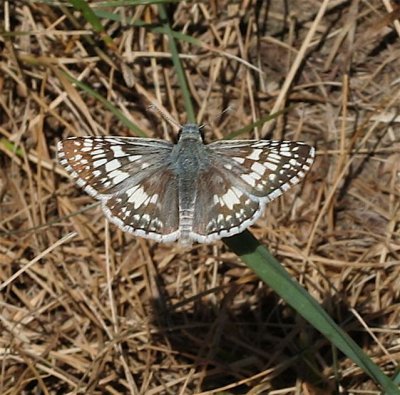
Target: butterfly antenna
[
  {"x": 154, "y": 108},
  {"x": 227, "y": 109}
]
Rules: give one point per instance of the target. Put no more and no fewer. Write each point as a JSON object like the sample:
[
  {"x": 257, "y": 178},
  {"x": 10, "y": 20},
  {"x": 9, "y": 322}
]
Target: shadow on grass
[{"x": 236, "y": 339}]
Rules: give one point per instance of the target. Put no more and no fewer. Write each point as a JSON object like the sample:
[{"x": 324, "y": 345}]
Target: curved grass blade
[{"x": 258, "y": 258}]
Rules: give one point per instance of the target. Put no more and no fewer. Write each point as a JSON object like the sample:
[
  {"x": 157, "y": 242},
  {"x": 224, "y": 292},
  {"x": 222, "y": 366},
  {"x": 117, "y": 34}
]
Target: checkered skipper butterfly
[{"x": 187, "y": 191}]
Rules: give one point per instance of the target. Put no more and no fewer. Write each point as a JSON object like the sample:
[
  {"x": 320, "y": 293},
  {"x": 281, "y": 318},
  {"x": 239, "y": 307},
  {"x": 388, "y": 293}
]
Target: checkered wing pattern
[
  {"x": 242, "y": 178},
  {"x": 125, "y": 174}
]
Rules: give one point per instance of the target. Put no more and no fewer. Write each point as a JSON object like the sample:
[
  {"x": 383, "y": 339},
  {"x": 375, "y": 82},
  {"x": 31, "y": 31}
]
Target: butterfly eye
[
  {"x": 178, "y": 135},
  {"x": 201, "y": 130}
]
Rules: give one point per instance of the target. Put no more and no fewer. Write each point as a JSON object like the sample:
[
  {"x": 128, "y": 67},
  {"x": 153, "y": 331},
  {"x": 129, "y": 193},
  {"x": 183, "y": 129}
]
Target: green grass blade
[
  {"x": 154, "y": 28},
  {"x": 118, "y": 114},
  {"x": 10, "y": 146},
  {"x": 255, "y": 124},
  {"x": 273, "y": 274},
  {"x": 258, "y": 258},
  {"x": 245, "y": 245},
  {"x": 126, "y": 3},
  {"x": 180, "y": 73},
  {"x": 91, "y": 17}
]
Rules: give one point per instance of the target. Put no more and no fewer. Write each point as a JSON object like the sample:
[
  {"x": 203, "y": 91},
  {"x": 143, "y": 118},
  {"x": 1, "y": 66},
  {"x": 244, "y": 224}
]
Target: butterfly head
[{"x": 191, "y": 131}]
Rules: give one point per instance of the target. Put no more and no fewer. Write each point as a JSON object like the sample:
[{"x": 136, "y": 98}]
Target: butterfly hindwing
[
  {"x": 222, "y": 209},
  {"x": 149, "y": 208}
]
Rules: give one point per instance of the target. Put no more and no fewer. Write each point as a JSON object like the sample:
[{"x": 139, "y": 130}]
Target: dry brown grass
[{"x": 99, "y": 311}]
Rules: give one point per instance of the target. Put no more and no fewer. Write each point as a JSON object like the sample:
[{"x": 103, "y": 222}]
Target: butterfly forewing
[
  {"x": 105, "y": 165},
  {"x": 263, "y": 168}
]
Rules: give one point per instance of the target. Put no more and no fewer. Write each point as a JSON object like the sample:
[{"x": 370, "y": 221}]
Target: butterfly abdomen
[
  {"x": 187, "y": 198},
  {"x": 186, "y": 225}
]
